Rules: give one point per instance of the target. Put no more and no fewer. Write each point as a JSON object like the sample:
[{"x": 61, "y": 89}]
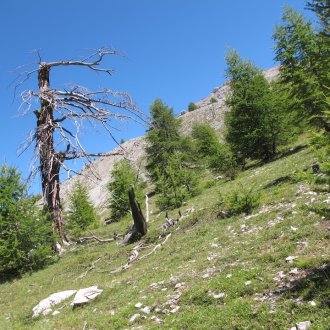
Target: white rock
[
  {"x": 215, "y": 295},
  {"x": 293, "y": 228},
  {"x": 45, "y": 305},
  {"x": 175, "y": 309},
  {"x": 138, "y": 305},
  {"x": 229, "y": 275},
  {"x": 214, "y": 245},
  {"x": 294, "y": 271},
  {"x": 312, "y": 303},
  {"x": 156, "y": 319},
  {"x": 55, "y": 313},
  {"x": 290, "y": 259},
  {"x": 293, "y": 328},
  {"x": 206, "y": 276},
  {"x": 145, "y": 310},
  {"x": 248, "y": 282},
  {"x": 86, "y": 295},
  {"x": 178, "y": 285},
  {"x": 134, "y": 317},
  {"x": 303, "y": 325}
]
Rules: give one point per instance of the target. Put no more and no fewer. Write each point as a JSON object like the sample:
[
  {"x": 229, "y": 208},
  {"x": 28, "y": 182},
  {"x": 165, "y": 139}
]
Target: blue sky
[{"x": 174, "y": 50}]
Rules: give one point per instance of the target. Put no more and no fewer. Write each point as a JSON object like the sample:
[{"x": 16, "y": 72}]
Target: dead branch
[
  {"x": 156, "y": 247},
  {"x": 89, "y": 268},
  {"x": 135, "y": 255},
  {"x": 82, "y": 240},
  {"x": 172, "y": 222}
]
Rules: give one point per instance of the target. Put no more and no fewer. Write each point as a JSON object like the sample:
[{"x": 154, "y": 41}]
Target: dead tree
[
  {"x": 139, "y": 227},
  {"x": 59, "y": 119}
]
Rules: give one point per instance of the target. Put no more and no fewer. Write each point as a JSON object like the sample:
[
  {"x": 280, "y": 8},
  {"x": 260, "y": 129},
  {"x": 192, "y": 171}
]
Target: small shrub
[
  {"x": 192, "y": 106},
  {"x": 213, "y": 100},
  {"x": 82, "y": 214},
  {"x": 239, "y": 201}
]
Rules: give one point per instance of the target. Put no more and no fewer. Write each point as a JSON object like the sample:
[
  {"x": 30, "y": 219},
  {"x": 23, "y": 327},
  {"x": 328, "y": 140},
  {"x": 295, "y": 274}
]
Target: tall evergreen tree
[
  {"x": 82, "y": 214},
  {"x": 26, "y": 239},
  {"x": 304, "y": 54},
  {"x": 163, "y": 138},
  {"x": 253, "y": 124},
  {"x": 123, "y": 178},
  {"x": 166, "y": 158}
]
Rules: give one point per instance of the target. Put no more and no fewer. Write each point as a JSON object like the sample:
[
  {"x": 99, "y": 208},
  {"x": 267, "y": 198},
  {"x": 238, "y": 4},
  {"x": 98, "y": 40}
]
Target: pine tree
[
  {"x": 82, "y": 214},
  {"x": 254, "y": 123},
  {"x": 123, "y": 178},
  {"x": 26, "y": 239},
  {"x": 304, "y": 54},
  {"x": 163, "y": 138},
  {"x": 217, "y": 156},
  {"x": 167, "y": 157}
]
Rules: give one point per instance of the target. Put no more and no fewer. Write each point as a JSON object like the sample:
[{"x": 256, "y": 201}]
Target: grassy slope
[{"x": 203, "y": 253}]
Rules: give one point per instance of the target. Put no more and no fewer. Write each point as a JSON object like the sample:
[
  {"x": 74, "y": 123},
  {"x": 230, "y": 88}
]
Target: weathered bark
[
  {"x": 139, "y": 227},
  {"x": 50, "y": 161}
]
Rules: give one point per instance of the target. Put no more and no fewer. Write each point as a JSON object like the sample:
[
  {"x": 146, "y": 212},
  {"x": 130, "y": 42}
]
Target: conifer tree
[
  {"x": 123, "y": 178},
  {"x": 254, "y": 123},
  {"x": 82, "y": 214},
  {"x": 166, "y": 158},
  {"x": 304, "y": 54},
  {"x": 26, "y": 239},
  {"x": 163, "y": 138}
]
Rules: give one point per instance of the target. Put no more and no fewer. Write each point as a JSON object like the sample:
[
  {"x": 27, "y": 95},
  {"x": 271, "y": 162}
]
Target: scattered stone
[
  {"x": 302, "y": 245},
  {"x": 303, "y": 325},
  {"x": 214, "y": 245},
  {"x": 279, "y": 276},
  {"x": 248, "y": 282},
  {"x": 84, "y": 296},
  {"x": 216, "y": 296},
  {"x": 145, "y": 310},
  {"x": 55, "y": 313},
  {"x": 293, "y": 228},
  {"x": 166, "y": 311},
  {"x": 134, "y": 318},
  {"x": 312, "y": 303},
  {"x": 212, "y": 256},
  {"x": 229, "y": 275},
  {"x": 164, "y": 289},
  {"x": 44, "y": 306},
  {"x": 290, "y": 259},
  {"x": 156, "y": 319},
  {"x": 206, "y": 276},
  {"x": 179, "y": 285},
  {"x": 175, "y": 309},
  {"x": 138, "y": 305},
  {"x": 293, "y": 271}
]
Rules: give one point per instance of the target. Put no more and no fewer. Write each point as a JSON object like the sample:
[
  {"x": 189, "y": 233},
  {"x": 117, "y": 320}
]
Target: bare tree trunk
[
  {"x": 139, "y": 227},
  {"x": 50, "y": 161}
]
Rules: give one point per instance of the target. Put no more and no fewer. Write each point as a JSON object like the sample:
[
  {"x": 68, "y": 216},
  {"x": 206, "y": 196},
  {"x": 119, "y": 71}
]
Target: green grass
[{"x": 238, "y": 256}]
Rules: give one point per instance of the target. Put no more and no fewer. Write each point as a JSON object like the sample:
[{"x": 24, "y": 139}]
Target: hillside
[
  {"x": 96, "y": 176},
  {"x": 266, "y": 270}
]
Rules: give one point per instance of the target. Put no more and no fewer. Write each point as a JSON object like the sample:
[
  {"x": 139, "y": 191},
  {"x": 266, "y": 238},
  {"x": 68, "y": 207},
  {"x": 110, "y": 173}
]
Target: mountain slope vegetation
[{"x": 265, "y": 270}]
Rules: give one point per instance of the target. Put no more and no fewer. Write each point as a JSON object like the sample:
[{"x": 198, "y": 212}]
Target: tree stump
[{"x": 139, "y": 227}]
